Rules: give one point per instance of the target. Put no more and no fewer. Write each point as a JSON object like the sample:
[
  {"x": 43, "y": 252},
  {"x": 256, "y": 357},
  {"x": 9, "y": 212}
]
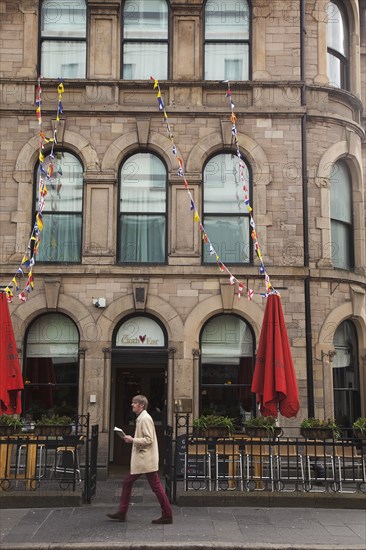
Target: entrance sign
[{"x": 140, "y": 332}]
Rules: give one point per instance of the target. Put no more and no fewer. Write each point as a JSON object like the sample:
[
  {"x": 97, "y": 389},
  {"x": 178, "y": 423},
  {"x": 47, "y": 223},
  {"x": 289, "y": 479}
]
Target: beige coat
[{"x": 145, "y": 453}]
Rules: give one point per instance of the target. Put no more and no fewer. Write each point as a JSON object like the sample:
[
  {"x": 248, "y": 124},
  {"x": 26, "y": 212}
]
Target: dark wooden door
[{"x": 128, "y": 383}]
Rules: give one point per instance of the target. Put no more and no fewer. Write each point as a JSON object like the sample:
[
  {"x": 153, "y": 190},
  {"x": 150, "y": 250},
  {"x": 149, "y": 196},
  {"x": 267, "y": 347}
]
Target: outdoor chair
[
  {"x": 259, "y": 466},
  {"x": 197, "y": 465},
  {"x": 67, "y": 463},
  {"x": 228, "y": 465},
  {"x": 351, "y": 467},
  {"x": 288, "y": 465},
  {"x": 320, "y": 468},
  {"x": 21, "y": 460}
]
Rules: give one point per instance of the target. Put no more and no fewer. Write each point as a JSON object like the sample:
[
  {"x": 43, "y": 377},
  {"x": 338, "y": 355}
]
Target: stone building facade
[{"x": 296, "y": 128}]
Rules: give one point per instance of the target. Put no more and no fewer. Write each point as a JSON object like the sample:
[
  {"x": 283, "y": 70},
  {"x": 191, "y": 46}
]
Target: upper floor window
[
  {"x": 341, "y": 216},
  {"x": 63, "y": 39},
  {"x": 337, "y": 45},
  {"x": 226, "y": 44},
  {"x": 142, "y": 210},
  {"x": 226, "y": 217},
  {"x": 62, "y": 211},
  {"x": 145, "y": 40}
]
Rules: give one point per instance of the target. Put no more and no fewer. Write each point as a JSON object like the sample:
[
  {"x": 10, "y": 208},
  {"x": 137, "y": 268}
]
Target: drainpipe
[{"x": 305, "y": 181}]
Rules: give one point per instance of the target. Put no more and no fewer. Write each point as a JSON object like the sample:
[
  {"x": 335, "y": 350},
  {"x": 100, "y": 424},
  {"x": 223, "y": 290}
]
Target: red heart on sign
[{"x": 142, "y": 339}]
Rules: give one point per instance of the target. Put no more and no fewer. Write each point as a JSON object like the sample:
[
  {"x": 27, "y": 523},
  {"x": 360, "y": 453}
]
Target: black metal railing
[
  {"x": 241, "y": 463},
  {"x": 62, "y": 462}
]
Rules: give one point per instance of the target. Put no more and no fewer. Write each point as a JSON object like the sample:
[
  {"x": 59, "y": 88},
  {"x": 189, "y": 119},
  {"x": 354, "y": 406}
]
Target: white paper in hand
[{"x": 119, "y": 432}]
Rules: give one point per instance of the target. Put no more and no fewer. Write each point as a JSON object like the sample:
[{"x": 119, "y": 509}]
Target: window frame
[
  {"x": 348, "y": 225},
  {"x": 243, "y": 215},
  {"x": 344, "y": 60},
  {"x": 29, "y": 385},
  {"x": 244, "y": 41},
  {"x": 227, "y": 386},
  {"x": 166, "y": 41},
  {"x": 145, "y": 214},
  {"x": 81, "y": 212},
  {"x": 62, "y": 39}
]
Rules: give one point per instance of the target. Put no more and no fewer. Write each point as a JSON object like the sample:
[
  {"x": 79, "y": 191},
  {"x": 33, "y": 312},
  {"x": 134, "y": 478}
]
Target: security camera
[{"x": 97, "y": 304}]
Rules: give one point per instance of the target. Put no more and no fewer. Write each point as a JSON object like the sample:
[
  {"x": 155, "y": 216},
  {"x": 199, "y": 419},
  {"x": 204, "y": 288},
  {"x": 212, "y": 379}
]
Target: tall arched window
[
  {"x": 142, "y": 210},
  {"x": 337, "y": 45},
  {"x": 51, "y": 367},
  {"x": 226, "y": 216},
  {"x": 341, "y": 216},
  {"x": 145, "y": 40},
  {"x": 63, "y": 209},
  {"x": 227, "y": 40},
  {"x": 227, "y": 348},
  {"x": 63, "y": 39},
  {"x": 346, "y": 377}
]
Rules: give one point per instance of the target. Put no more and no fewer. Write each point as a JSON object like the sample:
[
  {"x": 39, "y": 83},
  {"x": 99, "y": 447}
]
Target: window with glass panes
[
  {"x": 51, "y": 374},
  {"x": 346, "y": 377},
  {"x": 225, "y": 214},
  {"x": 60, "y": 239},
  {"x": 63, "y": 39},
  {"x": 341, "y": 216},
  {"x": 142, "y": 210},
  {"x": 145, "y": 40},
  {"x": 337, "y": 45},
  {"x": 227, "y": 362},
  {"x": 227, "y": 40}
]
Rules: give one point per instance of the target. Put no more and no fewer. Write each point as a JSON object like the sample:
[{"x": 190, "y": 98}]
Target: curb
[{"x": 173, "y": 546}]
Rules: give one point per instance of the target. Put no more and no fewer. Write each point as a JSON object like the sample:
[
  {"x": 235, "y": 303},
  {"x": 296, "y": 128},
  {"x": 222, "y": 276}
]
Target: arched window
[
  {"x": 145, "y": 40},
  {"x": 346, "y": 378},
  {"x": 226, "y": 40},
  {"x": 226, "y": 216},
  {"x": 337, "y": 45},
  {"x": 227, "y": 361},
  {"x": 63, "y": 39},
  {"x": 142, "y": 210},
  {"x": 63, "y": 208},
  {"x": 341, "y": 216},
  {"x": 51, "y": 367}
]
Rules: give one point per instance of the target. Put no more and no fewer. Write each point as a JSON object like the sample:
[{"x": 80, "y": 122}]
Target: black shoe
[
  {"x": 119, "y": 516},
  {"x": 163, "y": 521}
]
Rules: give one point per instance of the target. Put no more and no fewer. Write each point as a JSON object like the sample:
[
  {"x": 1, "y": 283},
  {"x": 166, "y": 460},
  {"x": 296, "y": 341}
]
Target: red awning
[
  {"x": 11, "y": 380},
  {"x": 274, "y": 379}
]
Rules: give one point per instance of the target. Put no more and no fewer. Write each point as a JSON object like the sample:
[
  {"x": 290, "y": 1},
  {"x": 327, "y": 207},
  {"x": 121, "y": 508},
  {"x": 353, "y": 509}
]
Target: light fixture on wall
[{"x": 330, "y": 354}]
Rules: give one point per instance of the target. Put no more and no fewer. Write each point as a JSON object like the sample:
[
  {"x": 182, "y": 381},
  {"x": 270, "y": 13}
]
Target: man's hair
[{"x": 141, "y": 400}]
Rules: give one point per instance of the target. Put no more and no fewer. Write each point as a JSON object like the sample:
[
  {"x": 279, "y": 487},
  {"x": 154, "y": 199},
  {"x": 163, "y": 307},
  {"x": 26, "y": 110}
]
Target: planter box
[
  {"x": 9, "y": 430},
  {"x": 212, "y": 431},
  {"x": 53, "y": 430},
  {"x": 256, "y": 431},
  {"x": 317, "y": 433}
]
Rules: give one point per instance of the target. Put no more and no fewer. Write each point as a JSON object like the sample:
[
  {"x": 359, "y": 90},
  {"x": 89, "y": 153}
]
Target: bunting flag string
[
  {"x": 240, "y": 286},
  {"x": 23, "y": 281}
]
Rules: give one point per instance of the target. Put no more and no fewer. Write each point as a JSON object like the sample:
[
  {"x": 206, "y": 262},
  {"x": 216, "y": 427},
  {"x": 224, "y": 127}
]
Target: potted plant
[
  {"x": 262, "y": 426},
  {"x": 213, "y": 425},
  {"x": 359, "y": 428},
  {"x": 313, "y": 428},
  {"x": 53, "y": 425},
  {"x": 10, "y": 424}
]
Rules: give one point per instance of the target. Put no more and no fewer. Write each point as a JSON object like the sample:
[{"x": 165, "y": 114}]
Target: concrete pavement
[{"x": 224, "y": 528}]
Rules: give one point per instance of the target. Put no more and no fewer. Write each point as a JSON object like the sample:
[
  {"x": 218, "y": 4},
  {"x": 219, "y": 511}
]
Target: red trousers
[{"x": 156, "y": 486}]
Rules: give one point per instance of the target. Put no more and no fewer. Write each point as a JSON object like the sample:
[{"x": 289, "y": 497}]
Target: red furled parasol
[
  {"x": 274, "y": 379},
  {"x": 11, "y": 381}
]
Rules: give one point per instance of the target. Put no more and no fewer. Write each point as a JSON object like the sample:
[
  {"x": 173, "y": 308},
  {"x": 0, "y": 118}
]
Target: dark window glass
[
  {"x": 227, "y": 368},
  {"x": 226, "y": 45},
  {"x": 226, "y": 216},
  {"x": 337, "y": 45},
  {"x": 145, "y": 40},
  {"x": 63, "y": 39},
  {"x": 142, "y": 210}
]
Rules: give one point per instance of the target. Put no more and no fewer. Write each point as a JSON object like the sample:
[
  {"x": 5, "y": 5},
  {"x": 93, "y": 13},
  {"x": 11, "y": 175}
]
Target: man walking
[{"x": 144, "y": 460}]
